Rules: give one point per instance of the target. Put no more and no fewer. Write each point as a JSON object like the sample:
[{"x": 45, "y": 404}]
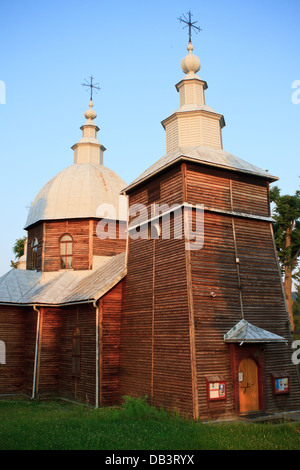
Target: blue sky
[{"x": 249, "y": 52}]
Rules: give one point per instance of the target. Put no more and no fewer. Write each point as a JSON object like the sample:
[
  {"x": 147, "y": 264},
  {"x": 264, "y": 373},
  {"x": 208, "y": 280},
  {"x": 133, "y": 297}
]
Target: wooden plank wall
[
  {"x": 264, "y": 306},
  {"x": 155, "y": 354},
  {"x": 218, "y": 301},
  {"x": 112, "y": 245},
  {"x": 79, "y": 230},
  {"x": 110, "y": 307},
  {"x": 216, "y": 309},
  {"x": 135, "y": 373},
  {"x": 172, "y": 363},
  {"x": 54, "y": 366},
  {"x": 78, "y": 388},
  {"x": 29, "y": 349},
  {"x": 12, "y": 332},
  {"x": 223, "y": 291},
  {"x": 49, "y": 354},
  {"x": 86, "y": 243},
  {"x": 170, "y": 184},
  {"x": 226, "y": 190}
]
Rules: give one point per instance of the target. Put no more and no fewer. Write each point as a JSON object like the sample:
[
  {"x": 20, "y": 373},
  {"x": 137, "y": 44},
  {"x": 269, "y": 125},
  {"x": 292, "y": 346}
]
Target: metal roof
[
  {"x": 16, "y": 283},
  {"x": 77, "y": 192},
  {"x": 205, "y": 155},
  {"x": 244, "y": 332},
  {"x": 24, "y": 287}
]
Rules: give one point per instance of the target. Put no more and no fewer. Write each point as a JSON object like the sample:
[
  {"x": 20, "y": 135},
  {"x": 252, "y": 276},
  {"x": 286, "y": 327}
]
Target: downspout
[
  {"x": 36, "y": 350},
  {"x": 97, "y": 354}
]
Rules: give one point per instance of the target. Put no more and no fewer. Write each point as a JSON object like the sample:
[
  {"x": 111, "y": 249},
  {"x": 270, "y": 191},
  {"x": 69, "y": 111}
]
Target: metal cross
[
  {"x": 91, "y": 85},
  {"x": 190, "y": 24}
]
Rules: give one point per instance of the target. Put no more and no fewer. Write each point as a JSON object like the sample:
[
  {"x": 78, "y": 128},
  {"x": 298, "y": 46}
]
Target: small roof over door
[{"x": 244, "y": 332}]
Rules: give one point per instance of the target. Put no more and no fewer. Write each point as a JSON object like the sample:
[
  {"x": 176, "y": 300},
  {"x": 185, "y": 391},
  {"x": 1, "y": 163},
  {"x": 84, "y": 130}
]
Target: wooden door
[{"x": 248, "y": 385}]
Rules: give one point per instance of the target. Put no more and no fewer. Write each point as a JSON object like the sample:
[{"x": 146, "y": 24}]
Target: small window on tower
[
  {"x": 34, "y": 246},
  {"x": 66, "y": 251}
]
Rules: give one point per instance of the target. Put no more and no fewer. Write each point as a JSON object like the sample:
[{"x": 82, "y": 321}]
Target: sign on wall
[
  {"x": 216, "y": 390},
  {"x": 281, "y": 384}
]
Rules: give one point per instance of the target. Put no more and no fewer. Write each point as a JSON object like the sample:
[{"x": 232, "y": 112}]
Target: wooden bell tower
[{"x": 204, "y": 330}]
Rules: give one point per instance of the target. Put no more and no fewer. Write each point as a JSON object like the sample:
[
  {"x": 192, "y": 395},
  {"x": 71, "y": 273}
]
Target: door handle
[{"x": 246, "y": 386}]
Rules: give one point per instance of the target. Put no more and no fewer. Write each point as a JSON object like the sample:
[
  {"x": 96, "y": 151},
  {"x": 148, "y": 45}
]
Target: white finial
[
  {"x": 191, "y": 63},
  {"x": 90, "y": 113}
]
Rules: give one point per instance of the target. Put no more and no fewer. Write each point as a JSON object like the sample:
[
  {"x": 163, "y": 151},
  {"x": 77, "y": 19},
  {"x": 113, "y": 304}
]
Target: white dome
[{"x": 77, "y": 192}]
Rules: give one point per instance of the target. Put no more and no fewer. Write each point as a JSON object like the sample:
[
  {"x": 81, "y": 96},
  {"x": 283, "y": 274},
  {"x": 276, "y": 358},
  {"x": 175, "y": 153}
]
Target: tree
[
  {"x": 287, "y": 238},
  {"x": 296, "y": 310},
  {"x": 18, "y": 250}
]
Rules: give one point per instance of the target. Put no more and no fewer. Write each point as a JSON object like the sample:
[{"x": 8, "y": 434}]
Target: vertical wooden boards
[
  {"x": 235, "y": 274},
  {"x": 110, "y": 345},
  {"x": 12, "y": 333},
  {"x": 55, "y": 376},
  {"x": 216, "y": 309},
  {"x": 29, "y": 349},
  {"x": 264, "y": 305},
  {"x": 188, "y": 214},
  {"x": 172, "y": 382},
  {"x": 136, "y": 328},
  {"x": 81, "y": 388},
  {"x": 49, "y": 349},
  {"x": 155, "y": 353}
]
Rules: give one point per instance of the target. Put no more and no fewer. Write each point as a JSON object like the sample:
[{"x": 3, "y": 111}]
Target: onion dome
[
  {"x": 83, "y": 188},
  {"x": 77, "y": 192}
]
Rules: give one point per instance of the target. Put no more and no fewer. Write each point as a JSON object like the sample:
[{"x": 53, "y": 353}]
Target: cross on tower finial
[
  {"x": 91, "y": 85},
  {"x": 190, "y": 24}
]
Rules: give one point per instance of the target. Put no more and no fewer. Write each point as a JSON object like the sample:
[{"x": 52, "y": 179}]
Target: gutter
[
  {"x": 97, "y": 354},
  {"x": 36, "y": 350}
]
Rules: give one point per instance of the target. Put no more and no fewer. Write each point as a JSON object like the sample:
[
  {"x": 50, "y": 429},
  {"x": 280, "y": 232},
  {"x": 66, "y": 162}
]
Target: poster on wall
[
  {"x": 217, "y": 390},
  {"x": 282, "y": 385}
]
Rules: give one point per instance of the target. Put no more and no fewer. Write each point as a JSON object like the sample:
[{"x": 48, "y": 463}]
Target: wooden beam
[
  {"x": 100, "y": 352},
  {"x": 191, "y": 309},
  {"x": 152, "y": 326}
]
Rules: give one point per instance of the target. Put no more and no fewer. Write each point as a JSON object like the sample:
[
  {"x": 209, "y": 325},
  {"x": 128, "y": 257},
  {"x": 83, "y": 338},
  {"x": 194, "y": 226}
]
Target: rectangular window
[
  {"x": 66, "y": 252},
  {"x": 66, "y": 262}
]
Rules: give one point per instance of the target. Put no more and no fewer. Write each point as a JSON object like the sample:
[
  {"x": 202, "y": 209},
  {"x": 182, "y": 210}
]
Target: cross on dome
[
  {"x": 191, "y": 63},
  {"x": 91, "y": 85},
  {"x": 188, "y": 23}
]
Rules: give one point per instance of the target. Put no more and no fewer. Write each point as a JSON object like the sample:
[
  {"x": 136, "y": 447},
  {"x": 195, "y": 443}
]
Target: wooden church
[{"x": 197, "y": 324}]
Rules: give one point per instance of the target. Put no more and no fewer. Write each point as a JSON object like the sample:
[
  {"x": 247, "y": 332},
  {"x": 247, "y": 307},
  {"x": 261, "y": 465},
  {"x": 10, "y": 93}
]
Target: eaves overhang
[
  {"x": 245, "y": 332},
  {"x": 182, "y": 157}
]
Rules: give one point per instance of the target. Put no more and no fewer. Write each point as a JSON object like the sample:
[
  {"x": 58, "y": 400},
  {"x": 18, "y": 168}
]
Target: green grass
[{"x": 58, "y": 425}]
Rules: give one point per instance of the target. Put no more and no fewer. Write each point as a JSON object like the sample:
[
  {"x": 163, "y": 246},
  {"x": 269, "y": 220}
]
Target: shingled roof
[{"x": 23, "y": 287}]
